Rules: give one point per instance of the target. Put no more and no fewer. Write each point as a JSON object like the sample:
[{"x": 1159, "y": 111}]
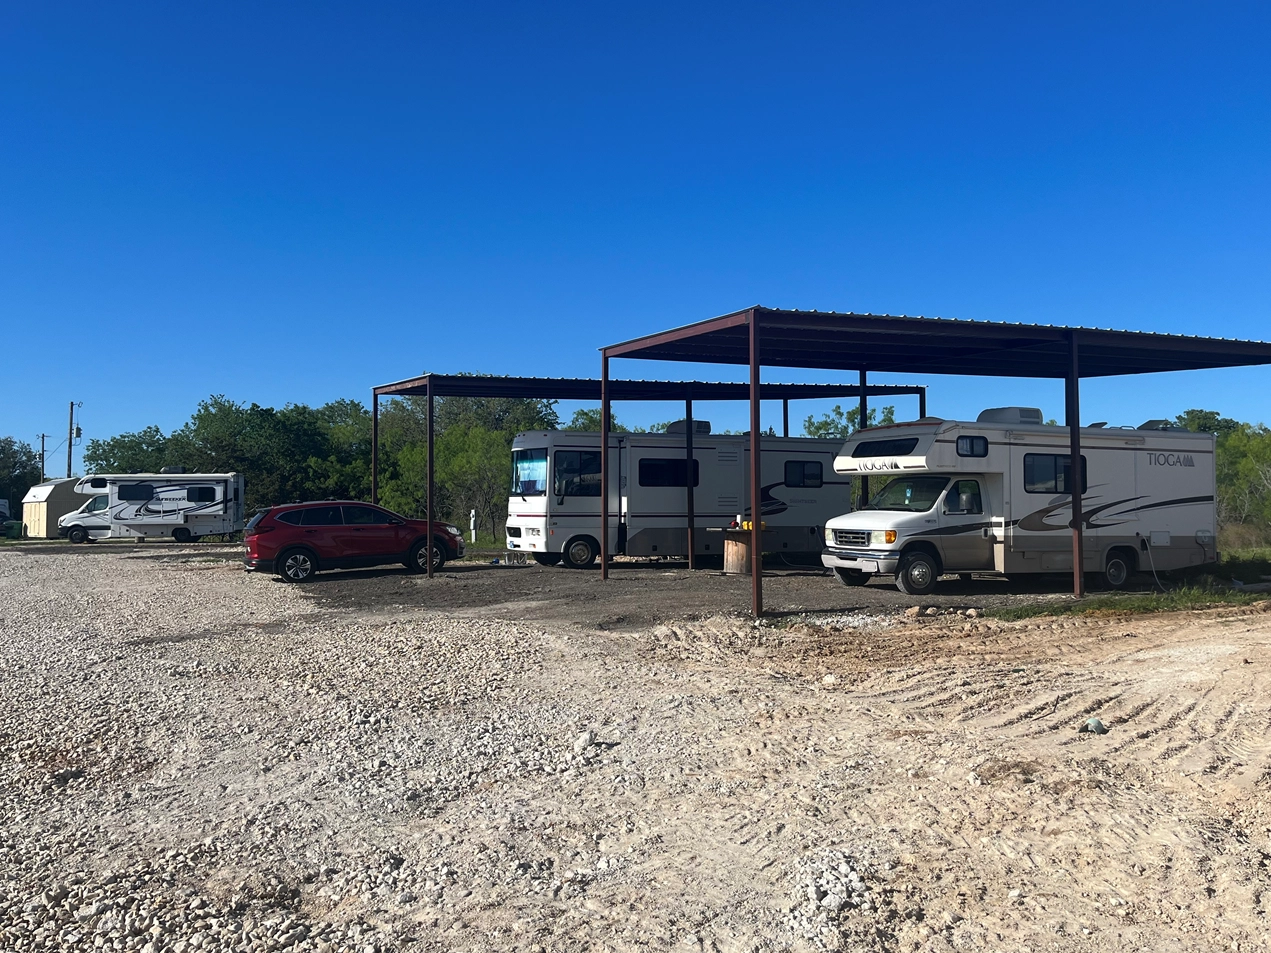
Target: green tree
[
  {"x": 841, "y": 424},
  {"x": 588, "y": 419},
  {"x": 142, "y": 452},
  {"x": 19, "y": 471},
  {"x": 473, "y": 465},
  {"x": 1207, "y": 421}
]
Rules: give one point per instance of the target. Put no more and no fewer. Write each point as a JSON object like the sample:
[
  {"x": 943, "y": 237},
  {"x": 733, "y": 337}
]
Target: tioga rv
[{"x": 994, "y": 496}]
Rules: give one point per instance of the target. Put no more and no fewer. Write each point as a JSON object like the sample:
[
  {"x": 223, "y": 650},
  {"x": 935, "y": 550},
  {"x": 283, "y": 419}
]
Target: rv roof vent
[
  {"x": 700, "y": 427},
  {"x": 1098, "y": 425},
  {"x": 1010, "y": 415},
  {"x": 1159, "y": 425},
  {"x": 172, "y": 470}
]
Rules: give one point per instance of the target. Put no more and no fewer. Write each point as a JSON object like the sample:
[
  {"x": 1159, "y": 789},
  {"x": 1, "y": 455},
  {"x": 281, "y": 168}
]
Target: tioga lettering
[{"x": 1155, "y": 459}]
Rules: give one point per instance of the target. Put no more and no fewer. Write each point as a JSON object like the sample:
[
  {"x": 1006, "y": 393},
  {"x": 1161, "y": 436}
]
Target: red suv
[{"x": 299, "y": 539}]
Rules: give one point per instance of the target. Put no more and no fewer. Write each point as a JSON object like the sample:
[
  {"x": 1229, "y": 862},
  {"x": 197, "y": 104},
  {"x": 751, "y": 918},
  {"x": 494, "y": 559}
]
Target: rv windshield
[
  {"x": 915, "y": 494},
  {"x": 529, "y": 472}
]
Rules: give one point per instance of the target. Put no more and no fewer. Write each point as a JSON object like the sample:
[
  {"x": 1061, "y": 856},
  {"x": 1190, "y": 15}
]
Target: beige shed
[{"x": 45, "y": 502}]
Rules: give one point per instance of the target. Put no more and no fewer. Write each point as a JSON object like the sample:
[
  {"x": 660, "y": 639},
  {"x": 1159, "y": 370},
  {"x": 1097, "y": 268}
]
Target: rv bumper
[
  {"x": 861, "y": 561},
  {"x": 258, "y": 565}
]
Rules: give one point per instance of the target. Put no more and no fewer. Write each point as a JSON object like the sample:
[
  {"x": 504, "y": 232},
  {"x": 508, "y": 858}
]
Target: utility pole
[
  {"x": 71, "y": 433},
  {"x": 70, "y": 436},
  {"x": 43, "y": 472}
]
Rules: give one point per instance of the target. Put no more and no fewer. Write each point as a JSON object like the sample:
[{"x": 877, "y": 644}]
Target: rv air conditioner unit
[
  {"x": 701, "y": 428},
  {"x": 1010, "y": 415}
]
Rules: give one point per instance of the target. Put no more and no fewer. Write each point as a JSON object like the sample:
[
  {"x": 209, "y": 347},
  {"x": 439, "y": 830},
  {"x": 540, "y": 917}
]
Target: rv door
[{"x": 965, "y": 532}]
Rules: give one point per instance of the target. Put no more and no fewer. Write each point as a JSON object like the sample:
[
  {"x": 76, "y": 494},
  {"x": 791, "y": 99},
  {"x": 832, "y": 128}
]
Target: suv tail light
[{"x": 257, "y": 530}]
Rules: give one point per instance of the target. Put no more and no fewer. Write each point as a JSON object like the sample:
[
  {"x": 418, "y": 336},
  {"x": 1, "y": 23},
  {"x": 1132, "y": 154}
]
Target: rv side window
[
  {"x": 973, "y": 446},
  {"x": 805, "y": 473},
  {"x": 136, "y": 492},
  {"x": 576, "y": 473},
  {"x": 1048, "y": 473},
  {"x": 200, "y": 494},
  {"x": 885, "y": 448},
  {"x": 667, "y": 471},
  {"x": 98, "y": 483},
  {"x": 963, "y": 497},
  {"x": 322, "y": 516}
]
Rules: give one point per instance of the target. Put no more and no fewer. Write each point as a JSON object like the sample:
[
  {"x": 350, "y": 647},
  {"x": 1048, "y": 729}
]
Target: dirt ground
[{"x": 630, "y": 766}]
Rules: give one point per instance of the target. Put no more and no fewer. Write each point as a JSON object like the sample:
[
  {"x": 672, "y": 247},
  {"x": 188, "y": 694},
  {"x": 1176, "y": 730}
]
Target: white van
[
  {"x": 554, "y": 509},
  {"x": 88, "y": 523},
  {"x": 184, "y": 506},
  {"x": 994, "y": 496}
]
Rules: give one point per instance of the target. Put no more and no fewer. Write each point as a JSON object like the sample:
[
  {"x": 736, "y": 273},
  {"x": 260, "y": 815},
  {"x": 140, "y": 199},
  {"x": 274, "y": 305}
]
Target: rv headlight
[
  {"x": 883, "y": 537},
  {"x": 829, "y": 536}
]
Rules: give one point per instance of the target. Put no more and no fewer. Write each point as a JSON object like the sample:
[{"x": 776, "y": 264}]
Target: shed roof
[{"x": 899, "y": 343}]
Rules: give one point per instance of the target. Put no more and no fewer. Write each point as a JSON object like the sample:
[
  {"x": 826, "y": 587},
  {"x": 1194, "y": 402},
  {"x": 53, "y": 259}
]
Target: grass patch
[{"x": 1247, "y": 565}]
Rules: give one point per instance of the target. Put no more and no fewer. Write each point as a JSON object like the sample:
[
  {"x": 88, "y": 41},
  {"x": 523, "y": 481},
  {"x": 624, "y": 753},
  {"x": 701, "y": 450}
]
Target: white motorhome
[
  {"x": 184, "y": 506},
  {"x": 554, "y": 509},
  {"x": 994, "y": 496}
]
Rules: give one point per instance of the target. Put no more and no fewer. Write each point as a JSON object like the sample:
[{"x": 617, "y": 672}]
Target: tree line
[{"x": 300, "y": 452}]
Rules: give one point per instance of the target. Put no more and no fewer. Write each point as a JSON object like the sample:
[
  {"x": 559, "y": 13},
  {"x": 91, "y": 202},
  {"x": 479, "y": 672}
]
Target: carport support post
[
  {"x": 922, "y": 402},
  {"x": 785, "y": 417},
  {"x": 604, "y": 466},
  {"x": 688, "y": 480},
  {"x": 375, "y": 447},
  {"x": 1076, "y": 474},
  {"x": 861, "y": 423},
  {"x": 756, "y": 476},
  {"x": 431, "y": 480}
]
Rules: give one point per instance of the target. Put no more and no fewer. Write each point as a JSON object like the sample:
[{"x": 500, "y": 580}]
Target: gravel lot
[{"x": 193, "y": 757}]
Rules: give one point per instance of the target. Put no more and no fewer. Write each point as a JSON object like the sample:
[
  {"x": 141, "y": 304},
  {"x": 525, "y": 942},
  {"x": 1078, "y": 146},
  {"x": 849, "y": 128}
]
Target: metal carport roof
[{"x": 900, "y": 344}]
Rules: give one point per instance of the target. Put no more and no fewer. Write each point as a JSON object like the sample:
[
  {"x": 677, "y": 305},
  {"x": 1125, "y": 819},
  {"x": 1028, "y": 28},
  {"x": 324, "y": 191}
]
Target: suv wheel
[
  {"x": 417, "y": 562},
  {"x": 917, "y": 574},
  {"x": 77, "y": 534},
  {"x": 580, "y": 552},
  {"x": 296, "y": 565}
]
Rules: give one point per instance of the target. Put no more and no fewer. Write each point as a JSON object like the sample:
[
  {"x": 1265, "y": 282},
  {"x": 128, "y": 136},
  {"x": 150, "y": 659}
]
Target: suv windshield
[
  {"x": 915, "y": 494},
  {"x": 529, "y": 472}
]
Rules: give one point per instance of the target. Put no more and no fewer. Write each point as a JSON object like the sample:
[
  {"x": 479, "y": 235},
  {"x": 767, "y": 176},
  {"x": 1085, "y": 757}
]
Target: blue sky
[{"x": 296, "y": 202}]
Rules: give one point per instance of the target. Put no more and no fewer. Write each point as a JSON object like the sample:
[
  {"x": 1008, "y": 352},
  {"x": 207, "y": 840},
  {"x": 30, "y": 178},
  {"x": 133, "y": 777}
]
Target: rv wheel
[
  {"x": 77, "y": 534},
  {"x": 852, "y": 577},
  {"x": 182, "y": 535},
  {"x": 1117, "y": 571},
  {"x": 917, "y": 574},
  {"x": 580, "y": 552},
  {"x": 295, "y": 565}
]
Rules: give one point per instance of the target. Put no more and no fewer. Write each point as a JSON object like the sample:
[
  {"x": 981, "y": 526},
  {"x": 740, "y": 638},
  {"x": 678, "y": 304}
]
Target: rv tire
[
  {"x": 852, "y": 577},
  {"x": 547, "y": 559},
  {"x": 77, "y": 534},
  {"x": 1117, "y": 569},
  {"x": 580, "y": 552},
  {"x": 182, "y": 535},
  {"x": 917, "y": 574},
  {"x": 296, "y": 565}
]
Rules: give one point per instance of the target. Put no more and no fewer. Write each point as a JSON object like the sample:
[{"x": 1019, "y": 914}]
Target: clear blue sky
[{"x": 295, "y": 202}]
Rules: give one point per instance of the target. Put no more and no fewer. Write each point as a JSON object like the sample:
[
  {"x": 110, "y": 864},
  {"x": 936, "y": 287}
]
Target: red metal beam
[{"x": 756, "y": 476}]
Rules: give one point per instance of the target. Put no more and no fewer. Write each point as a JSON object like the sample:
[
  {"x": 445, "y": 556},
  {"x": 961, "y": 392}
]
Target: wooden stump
[{"x": 737, "y": 551}]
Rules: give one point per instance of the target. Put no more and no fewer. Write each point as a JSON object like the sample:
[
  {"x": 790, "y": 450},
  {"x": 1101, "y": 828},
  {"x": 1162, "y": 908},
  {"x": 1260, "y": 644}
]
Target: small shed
[{"x": 45, "y": 502}]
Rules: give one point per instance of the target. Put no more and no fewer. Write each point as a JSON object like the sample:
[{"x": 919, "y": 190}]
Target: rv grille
[{"x": 848, "y": 537}]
